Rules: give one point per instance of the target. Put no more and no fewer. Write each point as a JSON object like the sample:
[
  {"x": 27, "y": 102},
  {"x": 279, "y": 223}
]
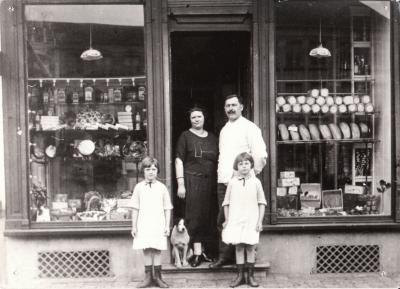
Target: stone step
[{"x": 203, "y": 272}]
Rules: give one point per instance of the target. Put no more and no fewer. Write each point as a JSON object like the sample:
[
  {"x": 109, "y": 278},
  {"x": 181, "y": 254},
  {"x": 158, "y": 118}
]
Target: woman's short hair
[
  {"x": 243, "y": 157},
  {"x": 197, "y": 108},
  {"x": 147, "y": 162}
]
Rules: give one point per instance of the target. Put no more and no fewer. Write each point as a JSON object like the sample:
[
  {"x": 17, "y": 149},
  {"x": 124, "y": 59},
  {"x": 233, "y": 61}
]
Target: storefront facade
[{"x": 89, "y": 87}]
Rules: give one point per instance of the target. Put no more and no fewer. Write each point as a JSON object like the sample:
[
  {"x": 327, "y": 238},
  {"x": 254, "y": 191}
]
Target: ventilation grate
[
  {"x": 74, "y": 264},
  {"x": 348, "y": 259}
]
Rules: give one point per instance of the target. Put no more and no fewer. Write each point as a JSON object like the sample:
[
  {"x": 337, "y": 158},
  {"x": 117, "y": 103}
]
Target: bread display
[
  {"x": 335, "y": 131},
  {"x": 283, "y": 131},
  {"x": 346, "y": 132},
  {"x": 355, "y": 131},
  {"x": 319, "y": 101},
  {"x": 314, "y": 131},
  {"x": 304, "y": 133},
  {"x": 294, "y": 132},
  {"x": 325, "y": 131}
]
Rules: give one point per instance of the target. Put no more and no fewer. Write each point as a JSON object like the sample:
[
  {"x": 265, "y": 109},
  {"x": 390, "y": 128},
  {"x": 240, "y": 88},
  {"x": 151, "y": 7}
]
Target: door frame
[{"x": 254, "y": 17}]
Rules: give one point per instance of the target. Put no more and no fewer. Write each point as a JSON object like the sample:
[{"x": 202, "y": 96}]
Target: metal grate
[
  {"x": 348, "y": 259},
  {"x": 74, "y": 264}
]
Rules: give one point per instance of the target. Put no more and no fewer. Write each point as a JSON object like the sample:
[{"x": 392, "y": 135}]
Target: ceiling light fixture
[
  {"x": 91, "y": 54},
  {"x": 320, "y": 51}
]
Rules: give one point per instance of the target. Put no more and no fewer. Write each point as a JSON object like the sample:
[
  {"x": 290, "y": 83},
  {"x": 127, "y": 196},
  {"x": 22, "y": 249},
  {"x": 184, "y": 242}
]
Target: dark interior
[{"x": 206, "y": 66}]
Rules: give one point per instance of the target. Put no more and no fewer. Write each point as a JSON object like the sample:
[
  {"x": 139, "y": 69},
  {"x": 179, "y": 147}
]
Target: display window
[
  {"x": 333, "y": 109},
  {"x": 87, "y": 117}
]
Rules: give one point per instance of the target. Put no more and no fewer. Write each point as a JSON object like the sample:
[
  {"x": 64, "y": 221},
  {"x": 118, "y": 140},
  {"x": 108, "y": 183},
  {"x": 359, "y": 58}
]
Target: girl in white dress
[
  {"x": 244, "y": 207},
  {"x": 150, "y": 221}
]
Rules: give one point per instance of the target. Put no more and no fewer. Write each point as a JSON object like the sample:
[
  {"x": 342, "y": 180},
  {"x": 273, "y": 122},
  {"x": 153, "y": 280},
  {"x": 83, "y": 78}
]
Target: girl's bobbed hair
[
  {"x": 243, "y": 157},
  {"x": 147, "y": 162}
]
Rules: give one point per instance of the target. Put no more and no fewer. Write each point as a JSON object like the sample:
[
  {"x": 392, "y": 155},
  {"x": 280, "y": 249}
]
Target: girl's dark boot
[
  {"x": 240, "y": 277},
  {"x": 147, "y": 277},
  {"x": 157, "y": 277},
  {"x": 250, "y": 271}
]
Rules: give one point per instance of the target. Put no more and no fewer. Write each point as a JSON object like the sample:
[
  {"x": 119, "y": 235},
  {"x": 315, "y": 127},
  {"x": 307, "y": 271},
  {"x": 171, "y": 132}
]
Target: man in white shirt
[{"x": 237, "y": 136}]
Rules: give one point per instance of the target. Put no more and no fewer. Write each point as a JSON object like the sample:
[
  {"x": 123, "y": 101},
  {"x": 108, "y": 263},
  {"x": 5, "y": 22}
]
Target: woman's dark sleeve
[{"x": 181, "y": 147}]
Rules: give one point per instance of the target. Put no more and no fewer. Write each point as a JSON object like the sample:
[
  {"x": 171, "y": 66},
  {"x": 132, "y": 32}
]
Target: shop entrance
[{"x": 206, "y": 66}]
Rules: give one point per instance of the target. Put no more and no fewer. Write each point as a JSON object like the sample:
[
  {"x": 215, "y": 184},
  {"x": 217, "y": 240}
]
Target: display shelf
[{"x": 328, "y": 141}]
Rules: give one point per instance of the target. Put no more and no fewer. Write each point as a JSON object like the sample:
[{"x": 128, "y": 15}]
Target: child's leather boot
[
  {"x": 157, "y": 277},
  {"x": 240, "y": 276},
  {"x": 147, "y": 277}
]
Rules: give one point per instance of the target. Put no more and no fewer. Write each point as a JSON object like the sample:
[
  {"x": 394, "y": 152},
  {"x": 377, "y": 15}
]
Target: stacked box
[
  {"x": 49, "y": 122},
  {"x": 125, "y": 119}
]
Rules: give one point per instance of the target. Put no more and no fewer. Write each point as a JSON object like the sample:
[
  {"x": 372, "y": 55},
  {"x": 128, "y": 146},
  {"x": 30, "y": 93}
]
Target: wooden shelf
[
  {"x": 327, "y": 114},
  {"x": 328, "y": 141}
]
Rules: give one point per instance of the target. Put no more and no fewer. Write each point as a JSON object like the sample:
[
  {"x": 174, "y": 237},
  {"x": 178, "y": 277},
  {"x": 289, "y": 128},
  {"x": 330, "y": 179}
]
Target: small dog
[{"x": 180, "y": 244}]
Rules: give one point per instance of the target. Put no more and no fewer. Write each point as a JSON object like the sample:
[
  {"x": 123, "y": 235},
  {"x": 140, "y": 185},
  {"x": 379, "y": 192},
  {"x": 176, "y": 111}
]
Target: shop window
[
  {"x": 333, "y": 108},
  {"x": 86, "y": 93}
]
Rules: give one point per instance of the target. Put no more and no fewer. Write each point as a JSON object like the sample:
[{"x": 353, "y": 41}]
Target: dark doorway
[{"x": 206, "y": 66}]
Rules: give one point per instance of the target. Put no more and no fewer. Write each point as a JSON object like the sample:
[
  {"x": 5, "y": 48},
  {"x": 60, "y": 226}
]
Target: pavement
[{"x": 360, "y": 280}]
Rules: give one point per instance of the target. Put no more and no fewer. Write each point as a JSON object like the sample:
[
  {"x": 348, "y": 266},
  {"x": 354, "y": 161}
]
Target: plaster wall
[
  {"x": 288, "y": 253},
  {"x": 295, "y": 253}
]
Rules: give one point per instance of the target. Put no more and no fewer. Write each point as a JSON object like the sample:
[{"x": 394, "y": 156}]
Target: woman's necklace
[{"x": 198, "y": 132}]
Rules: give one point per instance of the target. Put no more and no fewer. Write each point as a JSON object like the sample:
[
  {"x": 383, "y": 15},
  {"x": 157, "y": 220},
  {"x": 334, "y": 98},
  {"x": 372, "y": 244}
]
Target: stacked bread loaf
[{"x": 319, "y": 101}]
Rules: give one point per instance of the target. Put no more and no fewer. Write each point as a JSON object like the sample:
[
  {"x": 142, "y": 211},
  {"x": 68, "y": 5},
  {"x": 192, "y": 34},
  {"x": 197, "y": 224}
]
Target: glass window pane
[
  {"x": 87, "y": 109},
  {"x": 333, "y": 108}
]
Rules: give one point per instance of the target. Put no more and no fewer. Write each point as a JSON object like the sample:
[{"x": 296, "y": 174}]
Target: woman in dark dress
[{"x": 195, "y": 165}]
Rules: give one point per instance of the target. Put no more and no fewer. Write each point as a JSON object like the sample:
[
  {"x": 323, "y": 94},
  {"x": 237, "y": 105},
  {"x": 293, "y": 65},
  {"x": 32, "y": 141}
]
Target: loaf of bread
[
  {"x": 306, "y": 108},
  {"x": 342, "y": 108},
  {"x": 296, "y": 107},
  {"x": 364, "y": 129},
  {"x": 324, "y": 92},
  {"x": 304, "y": 133},
  {"x": 325, "y": 108},
  {"x": 365, "y": 99},
  {"x": 310, "y": 100},
  {"x": 280, "y": 100},
  {"x": 291, "y": 100},
  {"x": 314, "y": 93},
  {"x": 360, "y": 107},
  {"x": 286, "y": 107},
  {"x": 352, "y": 107},
  {"x": 338, "y": 100},
  {"x": 283, "y": 131},
  {"x": 294, "y": 132},
  {"x": 314, "y": 132},
  {"x": 301, "y": 99},
  {"x": 356, "y": 99},
  {"x": 330, "y": 101},
  {"x": 335, "y": 131},
  {"x": 277, "y": 107},
  {"x": 369, "y": 108},
  {"x": 344, "y": 127},
  {"x": 315, "y": 108},
  {"x": 333, "y": 109},
  {"x": 355, "y": 131},
  {"x": 325, "y": 131},
  {"x": 348, "y": 99}
]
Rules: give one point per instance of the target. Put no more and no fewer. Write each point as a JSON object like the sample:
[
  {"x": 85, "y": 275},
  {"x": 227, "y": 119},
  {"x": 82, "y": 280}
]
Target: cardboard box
[
  {"x": 287, "y": 174},
  {"x": 281, "y": 191},
  {"x": 290, "y": 182},
  {"x": 292, "y": 190},
  {"x": 357, "y": 190}
]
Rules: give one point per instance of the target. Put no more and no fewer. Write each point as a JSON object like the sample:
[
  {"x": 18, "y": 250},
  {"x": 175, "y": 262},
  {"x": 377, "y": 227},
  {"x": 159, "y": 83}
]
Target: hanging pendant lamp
[
  {"x": 91, "y": 54},
  {"x": 320, "y": 51}
]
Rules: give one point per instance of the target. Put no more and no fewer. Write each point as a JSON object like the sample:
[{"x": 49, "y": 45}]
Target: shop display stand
[{"x": 352, "y": 76}]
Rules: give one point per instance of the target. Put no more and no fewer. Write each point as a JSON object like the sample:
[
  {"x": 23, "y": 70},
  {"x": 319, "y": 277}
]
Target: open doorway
[{"x": 207, "y": 66}]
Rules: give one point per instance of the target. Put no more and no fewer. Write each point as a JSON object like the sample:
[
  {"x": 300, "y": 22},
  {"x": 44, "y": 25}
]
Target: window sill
[{"x": 123, "y": 228}]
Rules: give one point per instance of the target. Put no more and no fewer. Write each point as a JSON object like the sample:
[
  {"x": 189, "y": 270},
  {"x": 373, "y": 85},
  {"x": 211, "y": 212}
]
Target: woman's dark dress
[{"x": 199, "y": 156}]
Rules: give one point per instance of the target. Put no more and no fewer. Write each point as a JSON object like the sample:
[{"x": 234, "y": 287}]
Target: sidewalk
[{"x": 363, "y": 280}]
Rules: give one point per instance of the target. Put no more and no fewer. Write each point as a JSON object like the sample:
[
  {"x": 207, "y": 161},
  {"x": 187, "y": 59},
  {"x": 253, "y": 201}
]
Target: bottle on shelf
[
  {"x": 38, "y": 126},
  {"x": 138, "y": 121},
  {"x": 356, "y": 65},
  {"x": 88, "y": 94},
  {"x": 144, "y": 117},
  {"x": 141, "y": 93},
  {"x": 117, "y": 95}
]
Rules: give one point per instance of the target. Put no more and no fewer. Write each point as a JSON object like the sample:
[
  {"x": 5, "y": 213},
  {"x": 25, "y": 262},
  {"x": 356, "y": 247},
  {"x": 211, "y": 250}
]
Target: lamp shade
[
  {"x": 320, "y": 52},
  {"x": 91, "y": 54}
]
